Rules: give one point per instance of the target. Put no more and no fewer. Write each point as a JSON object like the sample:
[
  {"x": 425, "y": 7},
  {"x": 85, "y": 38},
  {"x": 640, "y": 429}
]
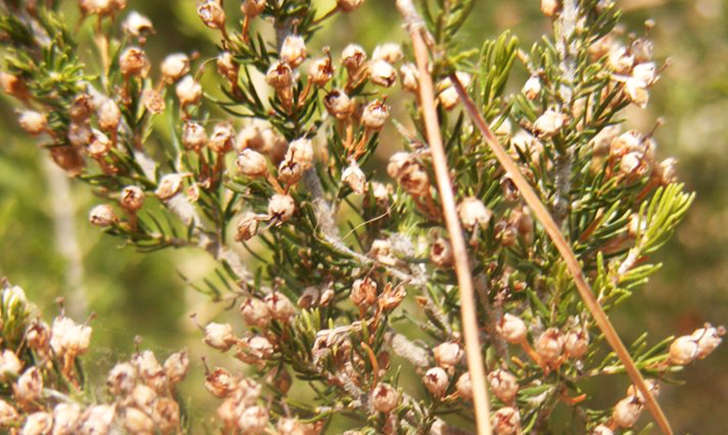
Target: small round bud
[
  {"x": 549, "y": 123},
  {"x": 504, "y": 385},
  {"x": 254, "y": 350},
  {"x": 708, "y": 339},
  {"x": 10, "y": 365},
  {"x": 251, "y": 163},
  {"x": 293, "y": 50},
  {"x": 550, "y": 345},
  {"x": 619, "y": 60},
  {"x": 550, "y": 7},
  {"x": 666, "y": 172},
  {"x": 354, "y": 177},
  {"x": 188, "y": 91},
  {"x": 300, "y": 152},
  {"x": 227, "y": 67},
  {"x": 100, "y": 144},
  {"x": 279, "y": 306},
  {"x": 33, "y": 122},
  {"x": 602, "y": 430},
  {"x": 253, "y": 420},
  {"x": 441, "y": 252},
  {"x": 506, "y": 421},
  {"x": 102, "y": 216},
  {"x": 133, "y": 62},
  {"x": 176, "y": 366},
  {"x": 97, "y": 419},
  {"x": 389, "y": 52},
  {"x": 132, "y": 198},
  {"x": 137, "y": 25},
  {"x": 219, "y": 336},
  {"x": 532, "y": 87},
  {"x": 448, "y": 355},
  {"x": 12, "y": 85},
  {"x": 281, "y": 207},
  {"x": 645, "y": 73},
  {"x": 149, "y": 369},
  {"x": 194, "y": 136},
  {"x": 137, "y": 421},
  {"x": 339, "y": 104},
  {"x": 364, "y": 292},
  {"x": 683, "y": 350},
  {"x": 448, "y": 96},
  {"x": 511, "y": 328},
  {"x": 109, "y": 115},
  {"x": 247, "y": 226},
  {"x": 38, "y": 337},
  {"x": 473, "y": 213},
  {"x": 255, "y": 312},
  {"x": 79, "y": 135},
  {"x": 382, "y": 73},
  {"x": 166, "y": 415},
  {"x": 212, "y": 14},
  {"x": 8, "y": 414},
  {"x": 375, "y": 114},
  {"x": 652, "y": 385},
  {"x": 29, "y": 385},
  {"x": 309, "y": 298},
  {"x": 576, "y": 343},
  {"x": 409, "y": 76},
  {"x": 384, "y": 398},
  {"x": 38, "y": 423},
  {"x": 121, "y": 379},
  {"x": 436, "y": 380},
  {"x": 222, "y": 137},
  {"x": 169, "y": 185},
  {"x": 174, "y": 67},
  {"x": 627, "y": 411},
  {"x": 220, "y": 383},
  {"x": 252, "y": 8},
  {"x": 321, "y": 71},
  {"x": 353, "y": 58},
  {"x": 464, "y": 386},
  {"x": 143, "y": 396},
  {"x": 279, "y": 75},
  {"x": 65, "y": 418},
  {"x": 349, "y": 5},
  {"x": 636, "y": 91},
  {"x": 153, "y": 101},
  {"x": 291, "y": 426}
]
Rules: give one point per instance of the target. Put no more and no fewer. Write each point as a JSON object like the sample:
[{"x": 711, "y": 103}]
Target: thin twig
[
  {"x": 460, "y": 253},
  {"x": 564, "y": 249}
]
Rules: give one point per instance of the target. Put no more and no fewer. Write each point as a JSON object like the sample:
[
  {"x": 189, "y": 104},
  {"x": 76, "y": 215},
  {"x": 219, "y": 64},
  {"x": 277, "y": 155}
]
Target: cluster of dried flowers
[{"x": 265, "y": 173}]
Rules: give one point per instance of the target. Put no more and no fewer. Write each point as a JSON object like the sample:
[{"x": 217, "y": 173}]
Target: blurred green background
[{"x": 47, "y": 247}]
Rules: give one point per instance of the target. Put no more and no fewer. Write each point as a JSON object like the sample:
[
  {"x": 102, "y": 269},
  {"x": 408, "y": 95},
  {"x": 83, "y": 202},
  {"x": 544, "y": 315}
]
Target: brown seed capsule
[
  {"x": 222, "y": 137},
  {"x": 13, "y": 85},
  {"x": 255, "y": 312},
  {"x": 441, "y": 253},
  {"x": 254, "y": 350},
  {"x": 320, "y": 71},
  {"x": 448, "y": 355},
  {"x": 375, "y": 114},
  {"x": 227, "y": 67},
  {"x": 143, "y": 396},
  {"x": 212, "y": 14},
  {"x": 38, "y": 336},
  {"x": 121, "y": 379},
  {"x": 384, "y": 398},
  {"x": 683, "y": 350},
  {"x": 33, "y": 122},
  {"x": 29, "y": 385},
  {"x": 349, "y": 5},
  {"x": 353, "y": 58},
  {"x": 363, "y": 292},
  {"x": 293, "y": 50},
  {"x": 382, "y": 73},
  {"x": 576, "y": 343},
  {"x": 133, "y": 62},
  {"x": 174, "y": 67},
  {"x": 220, "y": 383},
  {"x": 281, "y": 208},
  {"x": 549, "y": 123},
  {"x": 409, "y": 76},
  {"x": 506, "y": 421},
  {"x": 132, "y": 198},
  {"x": 188, "y": 91},
  {"x": 464, "y": 386},
  {"x": 247, "y": 226},
  {"x": 390, "y": 52},
  {"x": 627, "y": 411},
  {"x": 338, "y": 104},
  {"x": 169, "y": 185},
  {"x": 102, "y": 216},
  {"x": 300, "y": 152},
  {"x": 65, "y": 418},
  {"x": 149, "y": 368},
  {"x": 550, "y": 345},
  {"x": 252, "y": 8},
  {"x": 194, "y": 136},
  {"x": 309, "y": 298},
  {"x": 279, "y": 75},
  {"x": 473, "y": 213},
  {"x": 504, "y": 385},
  {"x": 436, "y": 380},
  {"x": 176, "y": 366},
  {"x": 137, "y": 25},
  {"x": 109, "y": 115},
  {"x": 511, "y": 328},
  {"x": 279, "y": 306},
  {"x": 219, "y": 336},
  {"x": 153, "y": 101},
  {"x": 251, "y": 163}
]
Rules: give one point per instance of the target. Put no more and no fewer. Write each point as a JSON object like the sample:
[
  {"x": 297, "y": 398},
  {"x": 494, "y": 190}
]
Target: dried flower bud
[
  {"x": 390, "y": 52},
  {"x": 320, "y": 71},
  {"x": 636, "y": 91},
  {"x": 354, "y": 177},
  {"x": 549, "y": 123},
  {"x": 254, "y": 350},
  {"x": 121, "y": 379},
  {"x": 137, "y": 421},
  {"x": 169, "y": 186},
  {"x": 97, "y": 419},
  {"x": 174, "y": 67},
  {"x": 602, "y": 430},
  {"x": 281, "y": 207},
  {"x": 473, "y": 213},
  {"x": 220, "y": 383},
  {"x": 38, "y": 337},
  {"x": 279, "y": 75},
  {"x": 166, "y": 415},
  {"x": 576, "y": 343},
  {"x": 549, "y": 345},
  {"x": 550, "y": 7},
  {"x": 13, "y": 85},
  {"x": 279, "y": 306},
  {"x": 382, "y": 73},
  {"x": 227, "y": 67},
  {"x": 143, "y": 395},
  {"x": 348, "y": 5},
  {"x": 252, "y": 8},
  {"x": 188, "y": 91},
  {"x": 708, "y": 338},
  {"x": 149, "y": 368},
  {"x": 102, "y": 216},
  {"x": 627, "y": 411},
  {"x": 409, "y": 76},
  {"x": 532, "y": 87},
  {"x": 619, "y": 60},
  {"x": 79, "y": 135},
  {"x": 326, "y": 297},
  {"x": 300, "y": 152},
  {"x": 665, "y": 172},
  {"x": 194, "y": 136},
  {"x": 436, "y": 380},
  {"x": 219, "y": 336},
  {"x": 291, "y": 426},
  {"x": 293, "y": 50},
  {"x": 10, "y": 365},
  {"x": 153, "y": 101},
  {"x": 511, "y": 328},
  {"x": 375, "y": 114},
  {"x": 255, "y": 312},
  {"x": 8, "y": 414},
  {"x": 506, "y": 421},
  {"x": 448, "y": 96},
  {"x": 384, "y": 398},
  {"x": 33, "y": 122},
  {"x": 339, "y": 104},
  {"x": 364, "y": 292},
  {"x": 448, "y": 355},
  {"x": 642, "y": 49},
  {"x": 38, "y": 423},
  {"x": 109, "y": 115},
  {"x": 441, "y": 252},
  {"x": 100, "y": 145},
  {"x": 645, "y": 73},
  {"x": 137, "y": 25},
  {"x": 504, "y": 385},
  {"x": 222, "y": 137},
  {"x": 176, "y": 366},
  {"x": 247, "y": 226},
  {"x": 65, "y": 418},
  {"x": 251, "y": 163},
  {"x": 132, "y": 198},
  {"x": 133, "y": 62},
  {"x": 464, "y": 386},
  {"x": 212, "y": 14},
  {"x": 652, "y": 385},
  {"x": 29, "y": 385},
  {"x": 353, "y": 58},
  {"x": 253, "y": 420}
]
